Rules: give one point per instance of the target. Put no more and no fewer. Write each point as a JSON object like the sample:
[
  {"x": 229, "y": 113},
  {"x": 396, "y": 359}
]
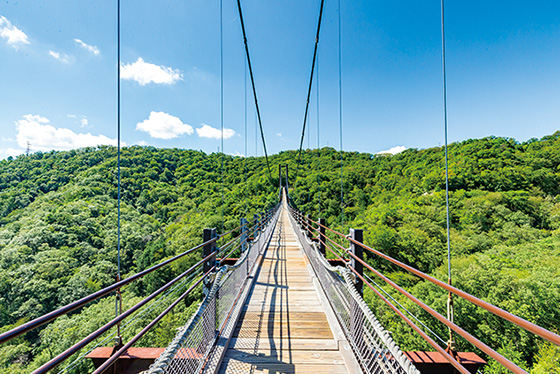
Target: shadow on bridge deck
[{"x": 283, "y": 328}]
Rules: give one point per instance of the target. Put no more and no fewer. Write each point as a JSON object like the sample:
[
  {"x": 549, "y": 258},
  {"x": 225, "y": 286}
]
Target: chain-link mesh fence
[
  {"x": 374, "y": 349},
  {"x": 190, "y": 351}
]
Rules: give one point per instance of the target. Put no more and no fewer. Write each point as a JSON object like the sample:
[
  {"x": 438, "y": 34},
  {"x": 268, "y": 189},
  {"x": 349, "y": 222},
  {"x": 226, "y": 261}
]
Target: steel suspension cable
[
  {"x": 308, "y": 133},
  {"x": 305, "y": 116},
  {"x": 340, "y": 111},
  {"x": 222, "y": 103},
  {"x": 118, "y": 300},
  {"x": 450, "y": 297},
  {"x": 253, "y": 85},
  {"x": 317, "y": 99},
  {"x": 308, "y": 139},
  {"x": 318, "y": 143},
  {"x": 256, "y": 135},
  {"x": 246, "y": 152}
]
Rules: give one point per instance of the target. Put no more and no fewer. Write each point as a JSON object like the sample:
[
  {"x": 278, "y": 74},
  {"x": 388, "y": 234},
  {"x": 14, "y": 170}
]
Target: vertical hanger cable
[
  {"x": 118, "y": 299},
  {"x": 450, "y": 343}
]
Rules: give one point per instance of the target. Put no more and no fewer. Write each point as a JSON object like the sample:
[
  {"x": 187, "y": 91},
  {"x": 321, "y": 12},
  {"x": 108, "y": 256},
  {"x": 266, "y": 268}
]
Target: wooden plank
[
  {"x": 279, "y": 289},
  {"x": 278, "y": 275},
  {"x": 241, "y": 343},
  {"x": 258, "y": 295},
  {"x": 284, "y": 333},
  {"x": 235, "y": 367},
  {"x": 292, "y": 286},
  {"x": 274, "y": 320},
  {"x": 280, "y": 305},
  {"x": 288, "y": 284},
  {"x": 283, "y": 328},
  {"x": 289, "y": 357},
  {"x": 285, "y": 325},
  {"x": 276, "y": 308},
  {"x": 285, "y": 315}
]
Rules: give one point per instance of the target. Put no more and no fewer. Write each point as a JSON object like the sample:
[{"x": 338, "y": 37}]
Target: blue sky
[{"x": 58, "y": 73}]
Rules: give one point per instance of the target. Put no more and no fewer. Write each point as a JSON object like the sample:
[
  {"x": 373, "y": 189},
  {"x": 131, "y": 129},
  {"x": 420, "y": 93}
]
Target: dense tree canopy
[{"x": 58, "y": 232}]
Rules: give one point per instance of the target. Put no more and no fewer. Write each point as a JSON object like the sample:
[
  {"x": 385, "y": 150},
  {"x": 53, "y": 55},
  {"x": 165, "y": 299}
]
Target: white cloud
[
  {"x": 84, "y": 122},
  {"x": 142, "y": 143},
  {"x": 14, "y": 36},
  {"x": 60, "y": 57},
  {"x": 5, "y": 153},
  {"x": 161, "y": 125},
  {"x": 44, "y": 137},
  {"x": 393, "y": 150},
  {"x": 91, "y": 48},
  {"x": 210, "y": 132},
  {"x": 279, "y": 134},
  {"x": 144, "y": 73}
]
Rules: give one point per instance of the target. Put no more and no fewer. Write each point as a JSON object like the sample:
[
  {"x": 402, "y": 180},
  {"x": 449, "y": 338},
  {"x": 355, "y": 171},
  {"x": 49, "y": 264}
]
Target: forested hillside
[{"x": 58, "y": 232}]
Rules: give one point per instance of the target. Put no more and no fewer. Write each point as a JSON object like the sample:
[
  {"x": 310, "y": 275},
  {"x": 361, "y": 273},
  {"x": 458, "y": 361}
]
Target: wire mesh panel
[
  {"x": 374, "y": 349},
  {"x": 190, "y": 351}
]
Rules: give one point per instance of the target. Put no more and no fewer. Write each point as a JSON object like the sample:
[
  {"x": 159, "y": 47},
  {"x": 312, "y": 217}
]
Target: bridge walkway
[{"x": 283, "y": 327}]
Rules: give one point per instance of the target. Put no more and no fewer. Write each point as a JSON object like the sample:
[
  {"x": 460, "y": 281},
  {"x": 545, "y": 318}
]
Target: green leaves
[{"x": 58, "y": 237}]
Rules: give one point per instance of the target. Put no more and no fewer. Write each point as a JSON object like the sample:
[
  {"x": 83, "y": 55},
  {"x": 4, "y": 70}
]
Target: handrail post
[
  {"x": 257, "y": 230},
  {"x": 244, "y": 235},
  {"x": 209, "y": 248},
  {"x": 208, "y": 234},
  {"x": 309, "y": 227},
  {"x": 322, "y": 237},
  {"x": 358, "y": 251},
  {"x": 279, "y": 182},
  {"x": 356, "y": 318}
]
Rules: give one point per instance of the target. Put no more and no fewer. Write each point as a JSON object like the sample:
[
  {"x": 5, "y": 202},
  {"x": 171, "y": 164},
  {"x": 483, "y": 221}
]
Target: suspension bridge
[
  {"x": 281, "y": 307},
  {"x": 292, "y": 302}
]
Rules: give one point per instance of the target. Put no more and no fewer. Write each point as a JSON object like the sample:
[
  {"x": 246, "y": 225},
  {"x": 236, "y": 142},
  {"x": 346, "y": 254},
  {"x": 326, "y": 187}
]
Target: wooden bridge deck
[{"x": 283, "y": 328}]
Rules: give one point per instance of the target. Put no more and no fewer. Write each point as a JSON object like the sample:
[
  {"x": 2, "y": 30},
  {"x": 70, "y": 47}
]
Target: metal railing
[
  {"x": 374, "y": 349},
  {"x": 191, "y": 349},
  {"x": 189, "y": 275},
  {"x": 353, "y": 261},
  {"x": 31, "y": 325}
]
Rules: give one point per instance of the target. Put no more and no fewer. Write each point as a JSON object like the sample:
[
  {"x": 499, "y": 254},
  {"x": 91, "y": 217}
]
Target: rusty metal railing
[{"x": 356, "y": 263}]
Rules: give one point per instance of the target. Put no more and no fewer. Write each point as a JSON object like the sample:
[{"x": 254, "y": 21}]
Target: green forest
[{"x": 58, "y": 235}]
